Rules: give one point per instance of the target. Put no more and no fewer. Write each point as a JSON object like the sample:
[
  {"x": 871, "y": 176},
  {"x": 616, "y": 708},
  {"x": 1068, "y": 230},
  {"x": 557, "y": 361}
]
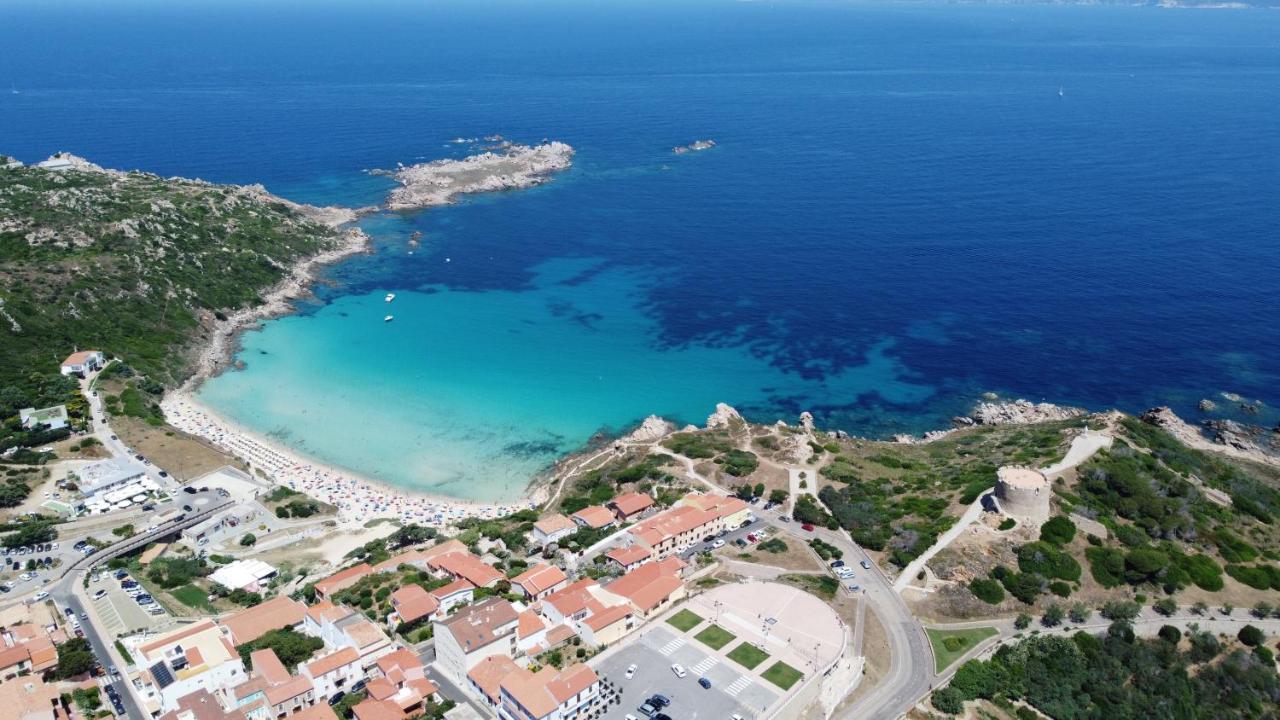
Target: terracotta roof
[
  {"x": 188, "y": 631},
  {"x": 625, "y": 556},
  {"x": 608, "y": 616},
  {"x": 401, "y": 659},
  {"x": 252, "y": 623},
  {"x": 420, "y": 555},
  {"x": 552, "y": 524},
  {"x": 489, "y": 673},
  {"x": 380, "y": 688},
  {"x": 291, "y": 688},
  {"x": 631, "y": 503},
  {"x": 468, "y": 567},
  {"x": 673, "y": 522},
  {"x": 78, "y": 358},
  {"x": 648, "y": 585},
  {"x": 571, "y": 598},
  {"x": 343, "y": 579},
  {"x": 14, "y": 655},
  {"x": 319, "y": 711},
  {"x": 424, "y": 687},
  {"x": 540, "y": 578},
  {"x": 364, "y": 633},
  {"x": 268, "y": 667},
  {"x": 369, "y": 709},
  {"x": 594, "y": 516},
  {"x": 453, "y": 588},
  {"x": 326, "y": 611},
  {"x": 559, "y": 635},
  {"x": 542, "y": 692},
  {"x": 44, "y": 654},
  {"x": 332, "y": 661},
  {"x": 718, "y": 505},
  {"x": 571, "y": 681},
  {"x": 200, "y": 705},
  {"x": 528, "y": 624},
  {"x": 477, "y": 626},
  {"x": 412, "y": 603}
]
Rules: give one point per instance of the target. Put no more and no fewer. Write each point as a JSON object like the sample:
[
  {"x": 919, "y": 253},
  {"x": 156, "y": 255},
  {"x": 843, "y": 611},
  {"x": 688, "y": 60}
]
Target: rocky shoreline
[{"x": 440, "y": 182}]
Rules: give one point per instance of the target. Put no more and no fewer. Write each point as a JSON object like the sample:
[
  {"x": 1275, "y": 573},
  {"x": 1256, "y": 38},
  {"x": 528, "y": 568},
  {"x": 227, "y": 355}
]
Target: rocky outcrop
[
  {"x": 1206, "y": 405},
  {"x": 1017, "y": 412},
  {"x": 1238, "y": 440},
  {"x": 652, "y": 429},
  {"x": 806, "y": 421},
  {"x": 694, "y": 146},
  {"x": 724, "y": 417},
  {"x": 513, "y": 167}
]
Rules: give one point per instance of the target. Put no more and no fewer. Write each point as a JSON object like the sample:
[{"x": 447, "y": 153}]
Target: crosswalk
[
  {"x": 738, "y": 686},
  {"x": 703, "y": 666},
  {"x": 672, "y": 646}
]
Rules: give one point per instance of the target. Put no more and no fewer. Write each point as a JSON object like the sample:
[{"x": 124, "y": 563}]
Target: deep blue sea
[{"x": 902, "y": 211}]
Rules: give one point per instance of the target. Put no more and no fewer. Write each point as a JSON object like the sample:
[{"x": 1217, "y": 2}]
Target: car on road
[
  {"x": 717, "y": 544},
  {"x": 854, "y": 587},
  {"x": 866, "y": 564},
  {"x": 148, "y": 508},
  {"x": 39, "y": 596},
  {"x": 676, "y": 668},
  {"x": 705, "y": 683},
  {"x": 190, "y": 490},
  {"x": 187, "y": 508},
  {"x": 629, "y": 716},
  {"x": 631, "y": 670},
  {"x": 807, "y": 527}
]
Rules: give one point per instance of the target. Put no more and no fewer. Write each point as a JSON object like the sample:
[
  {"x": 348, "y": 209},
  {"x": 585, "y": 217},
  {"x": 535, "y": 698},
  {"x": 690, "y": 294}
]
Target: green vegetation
[
  {"x": 685, "y": 620},
  {"x": 738, "y": 463},
  {"x": 192, "y": 597},
  {"x": 75, "y": 657},
  {"x": 987, "y": 590},
  {"x": 124, "y": 652},
  {"x": 1007, "y": 524},
  {"x": 782, "y": 675},
  {"x": 773, "y": 545},
  {"x": 824, "y": 586},
  {"x": 345, "y": 707},
  {"x": 714, "y": 636},
  {"x": 826, "y": 551},
  {"x": 699, "y": 445},
  {"x": 748, "y": 655},
  {"x": 172, "y": 572},
  {"x": 1041, "y": 558},
  {"x": 29, "y": 531},
  {"x": 290, "y": 646},
  {"x": 1059, "y": 530},
  {"x": 1119, "y": 676},
  {"x": 599, "y": 486},
  {"x": 951, "y": 645}
]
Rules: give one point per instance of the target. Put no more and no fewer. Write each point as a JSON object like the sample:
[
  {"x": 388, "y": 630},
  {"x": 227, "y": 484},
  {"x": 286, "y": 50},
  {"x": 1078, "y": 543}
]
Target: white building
[
  {"x": 473, "y": 634},
  {"x": 178, "y": 663},
  {"x": 108, "y": 475},
  {"x": 251, "y": 575},
  {"x": 55, "y": 417},
  {"x": 83, "y": 362}
]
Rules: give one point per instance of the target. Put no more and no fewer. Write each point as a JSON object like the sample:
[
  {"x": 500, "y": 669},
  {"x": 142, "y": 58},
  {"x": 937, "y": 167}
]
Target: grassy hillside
[{"x": 128, "y": 263}]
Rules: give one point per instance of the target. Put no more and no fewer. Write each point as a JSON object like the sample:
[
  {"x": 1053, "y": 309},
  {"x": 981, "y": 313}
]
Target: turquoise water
[
  {"x": 470, "y": 394},
  {"x": 902, "y": 213}
]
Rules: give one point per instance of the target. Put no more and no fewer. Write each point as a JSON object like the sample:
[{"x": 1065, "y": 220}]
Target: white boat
[
  {"x": 391, "y": 296},
  {"x": 1060, "y": 91},
  {"x": 389, "y": 318}
]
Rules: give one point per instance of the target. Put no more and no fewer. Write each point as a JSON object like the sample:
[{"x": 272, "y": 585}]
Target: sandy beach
[{"x": 358, "y": 499}]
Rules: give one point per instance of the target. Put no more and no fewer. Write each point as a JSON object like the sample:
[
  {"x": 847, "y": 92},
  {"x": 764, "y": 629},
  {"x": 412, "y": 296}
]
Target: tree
[
  {"x": 948, "y": 700},
  {"x": 778, "y": 496},
  {"x": 290, "y": 646},
  {"x": 1022, "y": 622},
  {"x": 1122, "y": 610},
  {"x": 1165, "y": 606},
  {"x": 987, "y": 590},
  {"x": 1170, "y": 634},
  {"x": 1059, "y": 530},
  {"x": 1053, "y": 615},
  {"x": 75, "y": 657},
  {"x": 1079, "y": 613},
  {"x": 248, "y": 540},
  {"x": 759, "y": 490},
  {"x": 1200, "y": 608},
  {"x": 31, "y": 532},
  {"x": 1251, "y": 636}
]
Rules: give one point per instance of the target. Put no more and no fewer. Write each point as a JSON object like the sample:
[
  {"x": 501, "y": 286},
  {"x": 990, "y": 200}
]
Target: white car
[
  {"x": 679, "y": 670},
  {"x": 718, "y": 544},
  {"x": 42, "y": 595},
  {"x": 631, "y": 671},
  {"x": 100, "y": 594}
]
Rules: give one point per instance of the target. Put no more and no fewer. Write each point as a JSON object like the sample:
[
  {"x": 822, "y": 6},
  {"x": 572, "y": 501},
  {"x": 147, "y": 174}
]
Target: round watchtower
[{"x": 1023, "y": 494}]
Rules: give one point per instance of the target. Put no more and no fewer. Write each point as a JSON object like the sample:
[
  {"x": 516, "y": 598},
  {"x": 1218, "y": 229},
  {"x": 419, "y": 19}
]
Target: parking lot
[
  {"x": 120, "y": 613},
  {"x": 653, "y": 654}
]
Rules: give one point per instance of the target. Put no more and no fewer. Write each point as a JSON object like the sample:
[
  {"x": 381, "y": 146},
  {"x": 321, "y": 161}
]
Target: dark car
[
  {"x": 705, "y": 683},
  {"x": 337, "y": 697},
  {"x": 187, "y": 508},
  {"x": 659, "y": 700},
  {"x": 647, "y": 709},
  {"x": 837, "y": 563},
  {"x": 661, "y": 716},
  {"x": 190, "y": 490},
  {"x": 164, "y": 474},
  {"x": 148, "y": 507}
]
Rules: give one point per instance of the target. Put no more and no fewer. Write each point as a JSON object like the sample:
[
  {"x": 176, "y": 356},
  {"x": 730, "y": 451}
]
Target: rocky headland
[{"x": 512, "y": 167}]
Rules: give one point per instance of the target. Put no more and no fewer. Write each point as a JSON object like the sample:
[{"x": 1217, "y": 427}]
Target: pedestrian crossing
[
  {"x": 738, "y": 686},
  {"x": 672, "y": 646},
  {"x": 703, "y": 666}
]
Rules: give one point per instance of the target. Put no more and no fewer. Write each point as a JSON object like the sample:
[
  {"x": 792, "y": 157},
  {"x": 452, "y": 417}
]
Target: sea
[{"x": 908, "y": 205}]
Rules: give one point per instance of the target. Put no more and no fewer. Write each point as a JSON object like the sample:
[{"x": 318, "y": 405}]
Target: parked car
[
  {"x": 807, "y": 527},
  {"x": 631, "y": 670},
  {"x": 866, "y": 564},
  {"x": 39, "y": 596},
  {"x": 705, "y": 682},
  {"x": 785, "y": 518},
  {"x": 717, "y": 544},
  {"x": 100, "y": 594},
  {"x": 189, "y": 490},
  {"x": 837, "y": 563},
  {"x": 676, "y": 668}
]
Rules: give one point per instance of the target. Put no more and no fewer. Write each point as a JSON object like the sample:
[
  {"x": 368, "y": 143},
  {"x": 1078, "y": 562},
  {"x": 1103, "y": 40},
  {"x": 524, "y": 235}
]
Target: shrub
[
  {"x": 1106, "y": 565},
  {"x": 1059, "y": 530},
  {"x": 987, "y": 590},
  {"x": 1255, "y": 577},
  {"x": 1165, "y": 606},
  {"x": 1042, "y": 558},
  {"x": 1007, "y": 524},
  {"x": 1251, "y": 636},
  {"x": 948, "y": 700},
  {"x": 1122, "y": 610},
  {"x": 1059, "y": 588}
]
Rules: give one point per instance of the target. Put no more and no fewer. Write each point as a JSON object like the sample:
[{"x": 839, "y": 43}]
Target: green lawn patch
[
  {"x": 950, "y": 645},
  {"x": 824, "y": 586},
  {"x": 685, "y": 620},
  {"x": 192, "y": 597},
  {"x": 748, "y": 655},
  {"x": 782, "y": 675},
  {"x": 714, "y": 637}
]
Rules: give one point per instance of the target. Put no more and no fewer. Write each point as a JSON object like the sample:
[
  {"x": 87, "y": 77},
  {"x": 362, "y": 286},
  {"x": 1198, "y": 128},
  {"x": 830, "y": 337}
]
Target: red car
[{"x": 807, "y": 527}]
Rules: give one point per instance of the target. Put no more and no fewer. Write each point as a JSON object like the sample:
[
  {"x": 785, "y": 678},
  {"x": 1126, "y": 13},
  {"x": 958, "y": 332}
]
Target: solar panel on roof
[{"x": 160, "y": 672}]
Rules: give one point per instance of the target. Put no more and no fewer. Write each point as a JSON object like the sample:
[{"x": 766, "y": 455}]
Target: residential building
[
  {"x": 341, "y": 580},
  {"x": 485, "y": 679},
  {"x": 272, "y": 692},
  {"x": 455, "y": 594},
  {"x": 201, "y": 705},
  {"x": 195, "y": 657},
  {"x": 399, "y": 690},
  {"x": 651, "y": 588},
  {"x": 607, "y": 626},
  {"x": 570, "y": 602},
  {"x": 103, "y": 475},
  {"x": 30, "y": 698},
  {"x": 548, "y": 694},
  {"x": 731, "y": 512},
  {"x": 629, "y": 506},
  {"x": 275, "y": 614},
  {"x": 594, "y": 517},
  {"x": 531, "y": 631},
  {"x": 474, "y": 633},
  {"x": 539, "y": 581},
  {"x": 420, "y": 557},
  {"x": 411, "y": 603},
  {"x": 83, "y": 362},
  {"x": 340, "y": 626},
  {"x": 694, "y": 517},
  {"x": 630, "y": 557},
  {"x": 53, "y": 418},
  {"x": 465, "y": 566},
  {"x": 333, "y": 673},
  {"x": 553, "y": 528}
]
